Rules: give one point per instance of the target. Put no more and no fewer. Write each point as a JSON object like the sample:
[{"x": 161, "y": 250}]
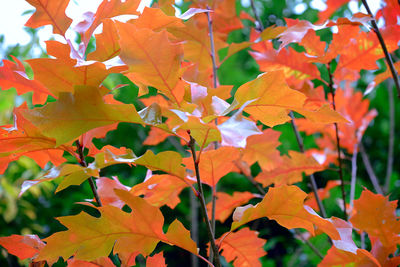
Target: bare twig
[
  {"x": 314, "y": 186},
  {"x": 370, "y": 171},
  {"x": 210, "y": 233},
  {"x": 308, "y": 243},
  {"x": 337, "y": 143},
  {"x": 389, "y": 166},
  {"x": 215, "y": 84},
  {"x": 353, "y": 175},
  {"x": 384, "y": 48},
  {"x": 194, "y": 226},
  {"x": 83, "y": 163},
  {"x": 257, "y": 17}
]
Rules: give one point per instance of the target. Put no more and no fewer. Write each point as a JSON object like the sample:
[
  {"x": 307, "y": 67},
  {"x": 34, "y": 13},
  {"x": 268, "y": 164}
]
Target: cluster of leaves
[{"x": 174, "y": 62}]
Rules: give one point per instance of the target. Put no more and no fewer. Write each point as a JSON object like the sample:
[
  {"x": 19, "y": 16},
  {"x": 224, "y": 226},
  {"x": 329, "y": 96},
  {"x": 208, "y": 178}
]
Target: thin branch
[
  {"x": 83, "y": 163},
  {"x": 353, "y": 175},
  {"x": 215, "y": 84},
  {"x": 389, "y": 166},
  {"x": 314, "y": 186},
  {"x": 210, "y": 233},
  {"x": 308, "y": 243},
  {"x": 370, "y": 171},
  {"x": 384, "y": 48},
  {"x": 257, "y": 17},
  {"x": 194, "y": 226},
  {"x": 214, "y": 62},
  {"x": 338, "y": 143}
]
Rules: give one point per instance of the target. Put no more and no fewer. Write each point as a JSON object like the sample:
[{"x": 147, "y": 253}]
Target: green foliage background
[{"x": 34, "y": 212}]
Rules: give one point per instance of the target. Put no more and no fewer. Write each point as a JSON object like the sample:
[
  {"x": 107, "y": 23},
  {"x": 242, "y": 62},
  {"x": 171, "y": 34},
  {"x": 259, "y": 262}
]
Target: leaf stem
[
  {"x": 83, "y": 163},
  {"x": 314, "y": 186},
  {"x": 210, "y": 232},
  {"x": 370, "y": 170},
  {"x": 312, "y": 247},
  {"x": 213, "y": 58},
  {"x": 384, "y": 48},
  {"x": 338, "y": 144}
]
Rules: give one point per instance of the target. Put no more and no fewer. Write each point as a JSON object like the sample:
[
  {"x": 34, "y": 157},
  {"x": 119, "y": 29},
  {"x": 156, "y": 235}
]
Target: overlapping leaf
[
  {"x": 13, "y": 75},
  {"x": 285, "y": 205},
  {"x": 272, "y": 100},
  {"x": 152, "y": 59},
  {"x": 214, "y": 164},
  {"x": 78, "y": 113},
  {"x": 23, "y": 247},
  {"x": 89, "y": 238},
  {"x": 290, "y": 171},
  {"x": 227, "y": 203}
]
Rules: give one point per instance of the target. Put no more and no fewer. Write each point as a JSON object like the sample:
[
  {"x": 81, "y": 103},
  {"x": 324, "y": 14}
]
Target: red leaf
[{"x": 23, "y": 247}]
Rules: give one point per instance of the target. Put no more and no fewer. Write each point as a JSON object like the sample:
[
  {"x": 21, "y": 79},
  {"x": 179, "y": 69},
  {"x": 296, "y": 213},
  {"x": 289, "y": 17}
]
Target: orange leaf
[
  {"x": 26, "y": 140},
  {"x": 262, "y": 148},
  {"x": 50, "y": 12},
  {"x": 226, "y": 204},
  {"x": 156, "y": 260},
  {"x": 23, "y": 247},
  {"x": 105, "y": 189},
  {"x": 107, "y": 9},
  {"x": 103, "y": 262},
  {"x": 155, "y": 136},
  {"x": 376, "y": 215},
  {"x": 159, "y": 190},
  {"x": 60, "y": 76},
  {"x": 290, "y": 171},
  {"x": 107, "y": 45},
  {"x": 272, "y": 100},
  {"x": 13, "y": 75},
  {"x": 152, "y": 59},
  {"x": 332, "y": 7},
  {"x": 214, "y": 164},
  {"x": 285, "y": 205},
  {"x": 243, "y": 247},
  {"x": 89, "y": 238}
]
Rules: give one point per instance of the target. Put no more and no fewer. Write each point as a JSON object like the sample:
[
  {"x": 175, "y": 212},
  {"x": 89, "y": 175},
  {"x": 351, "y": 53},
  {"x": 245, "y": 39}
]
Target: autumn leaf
[
  {"x": 376, "y": 215},
  {"x": 285, "y": 205},
  {"x": 103, "y": 261},
  {"x": 156, "y": 260},
  {"x": 89, "y": 238},
  {"x": 159, "y": 190},
  {"x": 243, "y": 247},
  {"x": 107, "y": 45},
  {"x": 261, "y": 148},
  {"x": 105, "y": 190},
  {"x": 332, "y": 7},
  {"x": 290, "y": 170},
  {"x": 107, "y": 9},
  {"x": 50, "y": 12},
  {"x": 226, "y": 203},
  {"x": 78, "y": 114},
  {"x": 167, "y": 161},
  {"x": 272, "y": 100},
  {"x": 23, "y": 247},
  {"x": 60, "y": 76},
  {"x": 152, "y": 59},
  {"x": 344, "y": 251},
  {"x": 214, "y": 164},
  {"x": 13, "y": 75},
  {"x": 24, "y": 139}
]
